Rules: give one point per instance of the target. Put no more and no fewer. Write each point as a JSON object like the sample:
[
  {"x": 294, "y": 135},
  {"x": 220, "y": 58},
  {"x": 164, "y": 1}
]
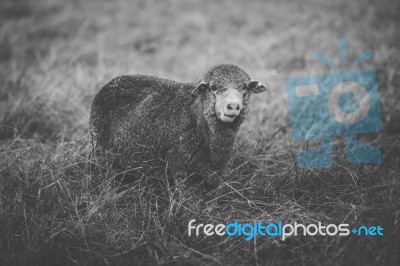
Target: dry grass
[{"x": 57, "y": 207}]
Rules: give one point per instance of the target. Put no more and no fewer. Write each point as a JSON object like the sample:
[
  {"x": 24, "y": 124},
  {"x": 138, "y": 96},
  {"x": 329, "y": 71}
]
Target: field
[{"x": 56, "y": 208}]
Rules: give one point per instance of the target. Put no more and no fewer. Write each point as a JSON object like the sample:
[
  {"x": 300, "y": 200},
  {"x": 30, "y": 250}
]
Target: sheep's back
[{"x": 133, "y": 107}]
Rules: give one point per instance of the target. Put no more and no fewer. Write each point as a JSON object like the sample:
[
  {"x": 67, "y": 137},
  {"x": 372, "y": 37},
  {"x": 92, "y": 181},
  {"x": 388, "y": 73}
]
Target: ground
[{"x": 55, "y": 207}]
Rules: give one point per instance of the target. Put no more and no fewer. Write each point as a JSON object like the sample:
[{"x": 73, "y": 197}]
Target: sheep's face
[
  {"x": 227, "y": 89},
  {"x": 228, "y": 103}
]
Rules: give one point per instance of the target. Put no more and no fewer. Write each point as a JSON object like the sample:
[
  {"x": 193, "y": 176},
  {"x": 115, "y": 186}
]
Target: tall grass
[{"x": 58, "y": 206}]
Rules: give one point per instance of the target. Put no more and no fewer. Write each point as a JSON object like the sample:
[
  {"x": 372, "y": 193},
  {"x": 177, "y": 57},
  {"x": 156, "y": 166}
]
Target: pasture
[{"x": 57, "y": 209}]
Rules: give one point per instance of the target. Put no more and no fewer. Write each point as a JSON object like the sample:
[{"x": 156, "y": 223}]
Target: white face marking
[{"x": 228, "y": 104}]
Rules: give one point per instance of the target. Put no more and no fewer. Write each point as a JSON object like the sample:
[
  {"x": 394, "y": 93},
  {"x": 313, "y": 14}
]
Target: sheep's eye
[{"x": 213, "y": 89}]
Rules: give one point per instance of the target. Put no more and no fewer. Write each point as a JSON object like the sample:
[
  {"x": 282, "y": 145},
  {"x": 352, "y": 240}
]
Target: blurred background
[{"x": 56, "y": 55}]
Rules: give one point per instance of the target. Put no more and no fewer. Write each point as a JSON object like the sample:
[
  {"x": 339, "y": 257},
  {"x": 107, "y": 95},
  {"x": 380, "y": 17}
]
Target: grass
[{"x": 59, "y": 206}]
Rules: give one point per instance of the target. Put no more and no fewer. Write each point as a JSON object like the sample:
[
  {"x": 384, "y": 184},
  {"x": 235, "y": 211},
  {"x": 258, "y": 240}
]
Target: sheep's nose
[
  {"x": 233, "y": 109},
  {"x": 233, "y": 106}
]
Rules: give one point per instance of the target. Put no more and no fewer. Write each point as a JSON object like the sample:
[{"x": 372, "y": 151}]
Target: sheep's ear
[
  {"x": 255, "y": 86},
  {"x": 202, "y": 86}
]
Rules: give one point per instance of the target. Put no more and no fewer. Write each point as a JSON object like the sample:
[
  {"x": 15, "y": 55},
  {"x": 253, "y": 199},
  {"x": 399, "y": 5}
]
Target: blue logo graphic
[{"x": 338, "y": 104}]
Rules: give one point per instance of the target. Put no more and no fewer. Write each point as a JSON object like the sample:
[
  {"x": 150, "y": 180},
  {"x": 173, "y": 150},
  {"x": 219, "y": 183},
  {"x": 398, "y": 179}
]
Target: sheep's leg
[
  {"x": 215, "y": 178},
  {"x": 189, "y": 168},
  {"x": 206, "y": 175}
]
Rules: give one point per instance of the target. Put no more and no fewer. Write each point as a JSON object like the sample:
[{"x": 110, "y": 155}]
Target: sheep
[{"x": 192, "y": 127}]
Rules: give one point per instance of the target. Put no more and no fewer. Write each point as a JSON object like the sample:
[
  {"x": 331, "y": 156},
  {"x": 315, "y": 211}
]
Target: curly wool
[{"x": 151, "y": 121}]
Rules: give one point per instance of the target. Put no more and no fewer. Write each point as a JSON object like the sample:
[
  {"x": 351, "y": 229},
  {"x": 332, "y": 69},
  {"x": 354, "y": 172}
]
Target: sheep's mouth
[{"x": 224, "y": 118}]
